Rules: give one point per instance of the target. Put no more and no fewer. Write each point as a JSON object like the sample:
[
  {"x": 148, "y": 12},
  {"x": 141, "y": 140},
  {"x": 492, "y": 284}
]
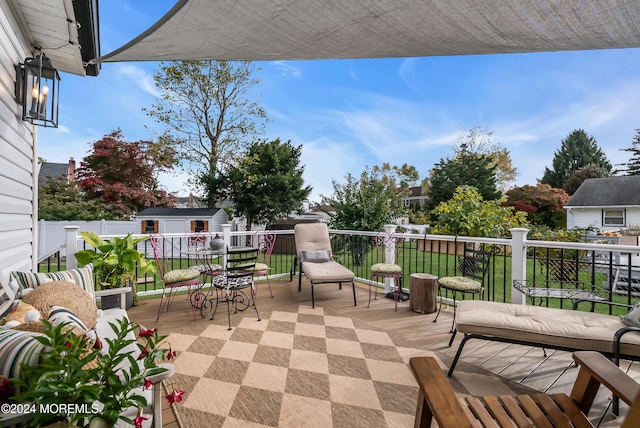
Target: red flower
[
  {"x": 146, "y": 333},
  {"x": 97, "y": 344},
  {"x": 174, "y": 397},
  {"x": 171, "y": 354},
  {"x": 147, "y": 384},
  {"x": 137, "y": 422},
  {"x": 143, "y": 353}
]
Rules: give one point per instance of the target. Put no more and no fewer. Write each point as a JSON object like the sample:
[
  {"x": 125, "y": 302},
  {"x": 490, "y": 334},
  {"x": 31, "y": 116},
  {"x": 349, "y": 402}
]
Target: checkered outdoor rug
[{"x": 299, "y": 367}]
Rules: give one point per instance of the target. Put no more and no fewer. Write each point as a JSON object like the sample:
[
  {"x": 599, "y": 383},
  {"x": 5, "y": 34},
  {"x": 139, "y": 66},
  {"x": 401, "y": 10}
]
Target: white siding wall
[
  {"x": 592, "y": 217},
  {"x": 18, "y": 189}
]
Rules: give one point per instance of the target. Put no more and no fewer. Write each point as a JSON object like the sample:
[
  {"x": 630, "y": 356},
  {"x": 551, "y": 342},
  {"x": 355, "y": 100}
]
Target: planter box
[
  {"x": 110, "y": 302},
  {"x": 443, "y": 247}
]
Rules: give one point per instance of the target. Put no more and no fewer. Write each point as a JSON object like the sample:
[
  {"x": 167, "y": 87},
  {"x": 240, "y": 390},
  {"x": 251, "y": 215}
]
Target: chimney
[{"x": 71, "y": 171}]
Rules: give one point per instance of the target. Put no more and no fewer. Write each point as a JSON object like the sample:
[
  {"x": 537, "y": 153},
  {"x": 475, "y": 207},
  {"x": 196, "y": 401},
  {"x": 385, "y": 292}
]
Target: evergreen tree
[
  {"x": 59, "y": 200},
  {"x": 577, "y": 150},
  {"x": 466, "y": 168},
  {"x": 267, "y": 182},
  {"x": 633, "y": 166}
]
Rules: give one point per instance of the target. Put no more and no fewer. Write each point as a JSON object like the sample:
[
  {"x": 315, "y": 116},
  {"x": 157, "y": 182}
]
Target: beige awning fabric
[{"x": 329, "y": 29}]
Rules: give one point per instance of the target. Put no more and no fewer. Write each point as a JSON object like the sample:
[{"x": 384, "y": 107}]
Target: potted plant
[
  {"x": 114, "y": 264},
  {"x": 96, "y": 384}
]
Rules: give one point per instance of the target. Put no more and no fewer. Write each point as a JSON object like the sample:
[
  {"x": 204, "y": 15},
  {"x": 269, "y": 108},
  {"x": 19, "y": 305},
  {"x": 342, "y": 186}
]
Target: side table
[{"x": 423, "y": 289}]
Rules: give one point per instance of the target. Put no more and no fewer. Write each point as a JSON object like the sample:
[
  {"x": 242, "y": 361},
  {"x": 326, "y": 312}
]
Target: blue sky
[{"x": 349, "y": 114}]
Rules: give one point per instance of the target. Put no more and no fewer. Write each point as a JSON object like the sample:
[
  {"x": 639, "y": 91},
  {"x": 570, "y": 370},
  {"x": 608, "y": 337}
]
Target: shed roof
[
  {"x": 609, "y": 191},
  {"x": 178, "y": 212}
]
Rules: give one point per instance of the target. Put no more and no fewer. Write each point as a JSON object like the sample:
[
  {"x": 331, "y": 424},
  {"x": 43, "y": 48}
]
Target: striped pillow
[
  {"x": 59, "y": 315},
  {"x": 18, "y": 347},
  {"x": 82, "y": 276}
]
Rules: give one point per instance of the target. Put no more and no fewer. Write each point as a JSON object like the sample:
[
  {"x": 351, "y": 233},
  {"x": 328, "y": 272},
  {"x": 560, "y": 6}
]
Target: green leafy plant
[
  {"x": 114, "y": 260},
  {"x": 468, "y": 214},
  {"x": 96, "y": 385}
]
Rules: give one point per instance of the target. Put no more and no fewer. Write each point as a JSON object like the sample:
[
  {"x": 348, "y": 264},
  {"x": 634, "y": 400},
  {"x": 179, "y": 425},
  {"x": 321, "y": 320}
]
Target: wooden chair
[{"x": 437, "y": 400}]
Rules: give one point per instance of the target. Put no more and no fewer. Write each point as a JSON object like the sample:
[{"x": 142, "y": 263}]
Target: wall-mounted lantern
[{"x": 37, "y": 90}]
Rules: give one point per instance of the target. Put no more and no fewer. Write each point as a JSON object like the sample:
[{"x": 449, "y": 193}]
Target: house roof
[
  {"x": 178, "y": 212},
  {"x": 609, "y": 191},
  {"x": 331, "y": 29},
  {"x": 52, "y": 171}
]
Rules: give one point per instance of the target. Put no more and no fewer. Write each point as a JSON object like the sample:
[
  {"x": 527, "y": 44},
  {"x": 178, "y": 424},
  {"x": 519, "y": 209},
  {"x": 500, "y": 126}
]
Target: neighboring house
[
  {"x": 67, "y": 32},
  {"x": 181, "y": 220},
  {"x": 189, "y": 202},
  {"x": 322, "y": 212},
  {"x": 415, "y": 197},
  {"x": 55, "y": 171},
  {"x": 610, "y": 203}
]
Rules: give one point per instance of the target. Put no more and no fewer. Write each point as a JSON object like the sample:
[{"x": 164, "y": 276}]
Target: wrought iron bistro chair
[
  {"x": 264, "y": 242},
  {"x": 474, "y": 265},
  {"x": 231, "y": 287},
  {"x": 172, "y": 279},
  {"x": 386, "y": 244}
]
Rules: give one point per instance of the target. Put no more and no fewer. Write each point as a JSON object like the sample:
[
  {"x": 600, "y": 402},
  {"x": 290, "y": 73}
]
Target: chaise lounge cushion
[
  {"x": 632, "y": 318},
  {"x": 544, "y": 326},
  {"x": 327, "y": 272}
]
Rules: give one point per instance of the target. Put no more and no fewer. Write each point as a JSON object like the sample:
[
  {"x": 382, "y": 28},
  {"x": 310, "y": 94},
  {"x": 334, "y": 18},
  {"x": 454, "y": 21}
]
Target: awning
[{"x": 326, "y": 29}]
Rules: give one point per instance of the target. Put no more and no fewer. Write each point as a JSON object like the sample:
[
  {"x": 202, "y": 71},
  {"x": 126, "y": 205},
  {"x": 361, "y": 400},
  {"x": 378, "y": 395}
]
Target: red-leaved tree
[
  {"x": 542, "y": 203},
  {"x": 124, "y": 175}
]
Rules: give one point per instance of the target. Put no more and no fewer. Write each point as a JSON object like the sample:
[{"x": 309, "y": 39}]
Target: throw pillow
[
  {"x": 21, "y": 313},
  {"x": 82, "y": 277},
  {"x": 67, "y": 295},
  {"x": 59, "y": 315},
  {"x": 632, "y": 318},
  {"x": 17, "y": 347},
  {"x": 315, "y": 256}
]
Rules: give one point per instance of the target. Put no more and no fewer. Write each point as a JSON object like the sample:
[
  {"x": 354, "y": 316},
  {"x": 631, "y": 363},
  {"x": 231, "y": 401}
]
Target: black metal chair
[
  {"x": 231, "y": 287},
  {"x": 474, "y": 265}
]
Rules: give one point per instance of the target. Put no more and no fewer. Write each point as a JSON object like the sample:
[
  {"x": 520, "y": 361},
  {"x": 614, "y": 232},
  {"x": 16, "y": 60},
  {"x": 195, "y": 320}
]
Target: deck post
[
  {"x": 71, "y": 233},
  {"x": 518, "y": 262}
]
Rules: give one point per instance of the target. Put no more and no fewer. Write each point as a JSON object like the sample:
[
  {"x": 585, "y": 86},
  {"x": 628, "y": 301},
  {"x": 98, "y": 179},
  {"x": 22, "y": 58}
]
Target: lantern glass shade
[{"x": 37, "y": 90}]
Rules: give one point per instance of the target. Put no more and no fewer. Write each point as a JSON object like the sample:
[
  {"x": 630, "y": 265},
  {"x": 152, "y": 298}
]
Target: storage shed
[{"x": 181, "y": 220}]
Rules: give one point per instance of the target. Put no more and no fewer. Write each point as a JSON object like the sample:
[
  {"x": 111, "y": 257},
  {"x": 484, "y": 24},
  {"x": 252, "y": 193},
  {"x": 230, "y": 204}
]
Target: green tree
[
  {"x": 577, "y": 151},
  {"x": 543, "y": 204},
  {"x": 633, "y": 166},
  {"x": 124, "y": 175},
  {"x": 267, "y": 182},
  {"x": 372, "y": 200},
  {"x": 468, "y": 214},
  {"x": 481, "y": 141},
  {"x": 211, "y": 116},
  {"x": 59, "y": 200},
  {"x": 466, "y": 168},
  {"x": 589, "y": 171}
]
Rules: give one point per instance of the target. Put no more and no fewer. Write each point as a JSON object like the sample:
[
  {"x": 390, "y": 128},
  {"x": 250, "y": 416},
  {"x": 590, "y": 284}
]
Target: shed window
[
  {"x": 199, "y": 225},
  {"x": 613, "y": 217},
  {"x": 149, "y": 226}
]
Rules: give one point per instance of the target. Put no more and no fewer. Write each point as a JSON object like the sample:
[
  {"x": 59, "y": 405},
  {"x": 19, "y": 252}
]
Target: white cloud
[
  {"x": 286, "y": 69},
  {"x": 141, "y": 78}
]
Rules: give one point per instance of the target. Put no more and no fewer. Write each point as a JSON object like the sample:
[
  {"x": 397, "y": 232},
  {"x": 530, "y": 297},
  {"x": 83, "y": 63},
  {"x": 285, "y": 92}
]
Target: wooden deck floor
[{"x": 526, "y": 365}]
